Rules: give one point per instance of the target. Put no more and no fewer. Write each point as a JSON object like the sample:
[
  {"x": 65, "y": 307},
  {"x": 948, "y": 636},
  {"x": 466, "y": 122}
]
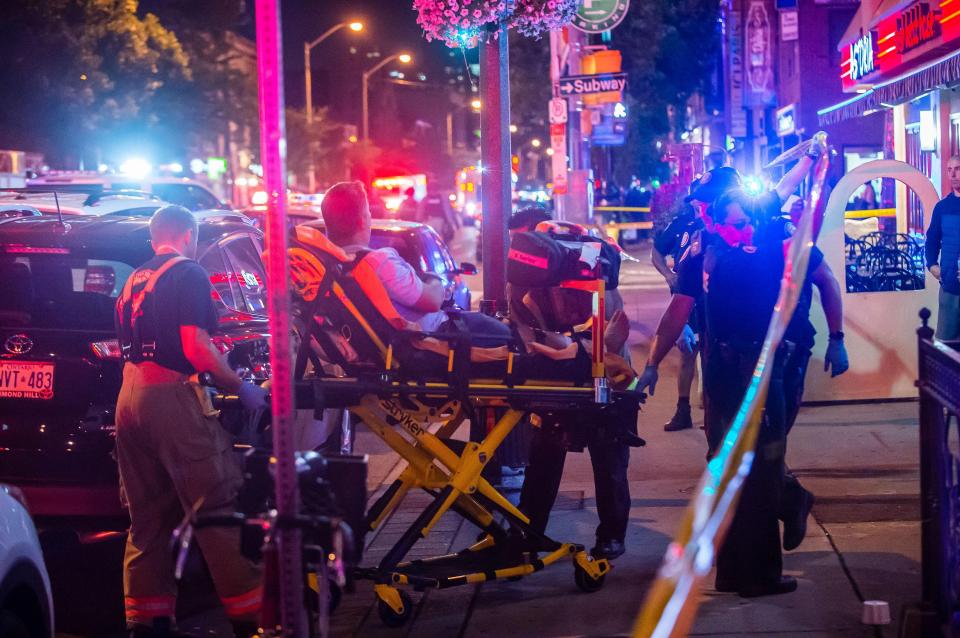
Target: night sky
[{"x": 390, "y": 27}]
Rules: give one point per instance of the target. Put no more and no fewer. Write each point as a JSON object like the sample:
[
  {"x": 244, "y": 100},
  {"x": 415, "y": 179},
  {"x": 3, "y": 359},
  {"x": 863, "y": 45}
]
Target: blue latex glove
[
  {"x": 836, "y": 359},
  {"x": 648, "y": 380},
  {"x": 252, "y": 396},
  {"x": 687, "y": 340}
]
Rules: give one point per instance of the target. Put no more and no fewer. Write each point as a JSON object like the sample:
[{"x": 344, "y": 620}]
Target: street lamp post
[
  {"x": 307, "y": 47},
  {"x": 474, "y": 104},
  {"x": 404, "y": 58},
  {"x": 308, "y": 84}
]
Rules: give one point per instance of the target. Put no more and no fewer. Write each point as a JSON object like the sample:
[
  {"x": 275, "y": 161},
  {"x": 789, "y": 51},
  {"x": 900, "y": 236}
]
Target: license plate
[
  {"x": 628, "y": 234},
  {"x": 26, "y": 380}
]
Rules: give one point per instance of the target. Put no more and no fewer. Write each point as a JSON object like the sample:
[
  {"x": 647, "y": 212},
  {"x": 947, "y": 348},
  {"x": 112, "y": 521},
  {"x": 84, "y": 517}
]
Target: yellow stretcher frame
[{"x": 400, "y": 413}]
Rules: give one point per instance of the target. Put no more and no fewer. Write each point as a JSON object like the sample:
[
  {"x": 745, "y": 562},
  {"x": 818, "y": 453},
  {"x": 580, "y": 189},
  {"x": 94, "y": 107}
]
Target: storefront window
[{"x": 878, "y": 260}]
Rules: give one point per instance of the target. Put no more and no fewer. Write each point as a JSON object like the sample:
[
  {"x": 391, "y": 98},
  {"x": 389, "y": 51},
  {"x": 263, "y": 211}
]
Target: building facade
[
  {"x": 779, "y": 59},
  {"x": 901, "y": 59}
]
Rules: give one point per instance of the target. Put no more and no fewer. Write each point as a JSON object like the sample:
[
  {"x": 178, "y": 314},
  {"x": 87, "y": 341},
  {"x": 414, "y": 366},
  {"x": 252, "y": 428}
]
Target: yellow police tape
[
  {"x": 671, "y": 604},
  {"x": 870, "y": 212}
]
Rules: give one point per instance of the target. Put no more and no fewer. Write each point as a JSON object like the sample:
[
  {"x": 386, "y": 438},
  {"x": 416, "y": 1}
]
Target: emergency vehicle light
[{"x": 20, "y": 249}]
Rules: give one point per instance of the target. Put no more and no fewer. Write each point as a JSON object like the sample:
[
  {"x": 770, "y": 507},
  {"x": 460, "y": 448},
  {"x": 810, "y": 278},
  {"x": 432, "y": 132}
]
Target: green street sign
[{"x": 595, "y": 16}]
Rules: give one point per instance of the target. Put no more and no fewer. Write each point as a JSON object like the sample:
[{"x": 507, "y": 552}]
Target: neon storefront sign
[
  {"x": 916, "y": 25},
  {"x": 861, "y": 56}
]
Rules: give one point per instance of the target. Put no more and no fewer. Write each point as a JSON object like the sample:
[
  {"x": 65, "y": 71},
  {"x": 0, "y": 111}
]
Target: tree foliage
[
  {"x": 670, "y": 50},
  {"x": 78, "y": 70}
]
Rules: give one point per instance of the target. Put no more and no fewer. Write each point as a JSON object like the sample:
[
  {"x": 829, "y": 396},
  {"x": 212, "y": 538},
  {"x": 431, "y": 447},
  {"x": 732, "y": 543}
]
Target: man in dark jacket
[{"x": 943, "y": 253}]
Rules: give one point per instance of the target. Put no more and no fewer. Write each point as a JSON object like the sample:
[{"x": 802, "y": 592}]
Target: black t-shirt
[
  {"x": 182, "y": 297},
  {"x": 740, "y": 290},
  {"x": 676, "y": 237}
]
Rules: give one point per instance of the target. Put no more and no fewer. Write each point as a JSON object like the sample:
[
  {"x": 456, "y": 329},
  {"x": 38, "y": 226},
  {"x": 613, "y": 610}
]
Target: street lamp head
[
  {"x": 550, "y": 151},
  {"x": 513, "y": 128},
  {"x": 535, "y": 143},
  {"x": 406, "y": 58},
  {"x": 356, "y": 26},
  {"x": 475, "y": 105}
]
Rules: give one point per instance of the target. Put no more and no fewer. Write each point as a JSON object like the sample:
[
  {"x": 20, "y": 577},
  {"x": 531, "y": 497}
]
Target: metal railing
[{"x": 939, "y": 387}]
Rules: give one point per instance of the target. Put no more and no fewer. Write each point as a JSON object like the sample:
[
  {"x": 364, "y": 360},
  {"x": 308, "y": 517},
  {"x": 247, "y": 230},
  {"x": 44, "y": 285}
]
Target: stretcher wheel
[
  {"x": 586, "y": 582},
  {"x": 335, "y": 594},
  {"x": 390, "y": 617}
]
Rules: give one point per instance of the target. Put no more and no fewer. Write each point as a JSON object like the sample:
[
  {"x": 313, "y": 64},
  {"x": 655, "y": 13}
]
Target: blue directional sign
[{"x": 590, "y": 84}]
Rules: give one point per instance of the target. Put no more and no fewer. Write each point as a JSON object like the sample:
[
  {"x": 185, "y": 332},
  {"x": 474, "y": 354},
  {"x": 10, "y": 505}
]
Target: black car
[
  {"x": 60, "y": 367},
  {"x": 421, "y": 247}
]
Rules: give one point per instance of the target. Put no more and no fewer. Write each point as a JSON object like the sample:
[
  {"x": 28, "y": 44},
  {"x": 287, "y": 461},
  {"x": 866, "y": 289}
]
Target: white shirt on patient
[{"x": 401, "y": 283}]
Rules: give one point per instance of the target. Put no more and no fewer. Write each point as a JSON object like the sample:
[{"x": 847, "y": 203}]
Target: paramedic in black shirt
[
  {"x": 548, "y": 450},
  {"x": 173, "y": 454}
]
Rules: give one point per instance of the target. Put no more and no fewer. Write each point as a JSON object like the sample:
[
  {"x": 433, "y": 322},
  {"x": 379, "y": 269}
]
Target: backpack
[{"x": 537, "y": 260}]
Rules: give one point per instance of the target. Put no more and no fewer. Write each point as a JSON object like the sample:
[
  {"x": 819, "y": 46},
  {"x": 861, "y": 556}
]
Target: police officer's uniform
[
  {"x": 738, "y": 287},
  {"x": 172, "y": 452}
]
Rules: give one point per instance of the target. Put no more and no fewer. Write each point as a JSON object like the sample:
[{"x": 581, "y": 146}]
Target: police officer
[
  {"x": 738, "y": 282},
  {"x": 675, "y": 240},
  {"x": 742, "y": 279},
  {"x": 173, "y": 454}
]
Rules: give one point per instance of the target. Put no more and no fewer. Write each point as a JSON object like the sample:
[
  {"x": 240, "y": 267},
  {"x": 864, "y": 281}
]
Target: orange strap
[{"x": 151, "y": 284}]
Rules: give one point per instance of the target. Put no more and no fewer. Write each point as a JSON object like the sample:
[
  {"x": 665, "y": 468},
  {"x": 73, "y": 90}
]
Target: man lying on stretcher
[{"x": 346, "y": 215}]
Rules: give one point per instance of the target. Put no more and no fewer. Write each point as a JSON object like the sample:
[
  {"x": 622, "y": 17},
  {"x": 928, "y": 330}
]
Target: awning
[
  {"x": 848, "y": 109},
  {"x": 941, "y": 72}
]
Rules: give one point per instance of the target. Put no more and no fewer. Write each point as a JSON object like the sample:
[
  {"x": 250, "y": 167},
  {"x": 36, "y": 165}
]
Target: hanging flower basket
[
  {"x": 462, "y": 23},
  {"x": 533, "y": 18}
]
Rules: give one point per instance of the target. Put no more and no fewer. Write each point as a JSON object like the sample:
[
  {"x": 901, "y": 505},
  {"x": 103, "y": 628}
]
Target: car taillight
[
  {"x": 99, "y": 279},
  {"x": 109, "y": 349},
  {"x": 16, "y": 493}
]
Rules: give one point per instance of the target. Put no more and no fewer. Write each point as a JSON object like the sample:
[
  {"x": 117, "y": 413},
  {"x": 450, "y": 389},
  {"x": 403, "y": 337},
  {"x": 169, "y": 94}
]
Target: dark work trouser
[
  {"x": 541, "y": 482},
  {"x": 794, "y": 375},
  {"x": 750, "y": 554},
  {"x": 172, "y": 458}
]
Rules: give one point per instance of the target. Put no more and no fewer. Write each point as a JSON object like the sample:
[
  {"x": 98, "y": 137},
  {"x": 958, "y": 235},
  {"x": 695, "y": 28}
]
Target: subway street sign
[
  {"x": 595, "y": 16},
  {"x": 590, "y": 84}
]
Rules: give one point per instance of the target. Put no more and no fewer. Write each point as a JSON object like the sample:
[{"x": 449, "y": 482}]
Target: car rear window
[
  {"x": 59, "y": 291},
  {"x": 186, "y": 195}
]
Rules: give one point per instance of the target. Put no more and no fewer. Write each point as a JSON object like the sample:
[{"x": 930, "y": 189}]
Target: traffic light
[{"x": 608, "y": 61}]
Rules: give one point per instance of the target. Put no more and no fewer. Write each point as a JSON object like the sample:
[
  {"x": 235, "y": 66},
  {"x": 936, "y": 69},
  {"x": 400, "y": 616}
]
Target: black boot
[
  {"x": 682, "y": 420},
  {"x": 608, "y": 549}
]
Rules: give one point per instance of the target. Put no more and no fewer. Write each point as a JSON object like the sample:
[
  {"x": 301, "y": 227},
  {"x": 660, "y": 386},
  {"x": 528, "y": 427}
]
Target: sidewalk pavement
[
  {"x": 862, "y": 543},
  {"x": 863, "y": 539}
]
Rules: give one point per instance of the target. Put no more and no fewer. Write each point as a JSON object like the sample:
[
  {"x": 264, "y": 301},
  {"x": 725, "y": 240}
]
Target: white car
[
  {"x": 26, "y": 604},
  {"x": 175, "y": 190},
  {"x": 73, "y": 203}
]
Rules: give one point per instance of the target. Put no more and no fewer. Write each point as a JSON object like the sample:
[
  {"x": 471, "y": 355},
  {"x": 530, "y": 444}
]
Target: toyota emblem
[{"x": 18, "y": 344}]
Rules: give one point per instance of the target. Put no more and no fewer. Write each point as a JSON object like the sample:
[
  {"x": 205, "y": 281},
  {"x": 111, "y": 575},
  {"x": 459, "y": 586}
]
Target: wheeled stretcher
[{"x": 414, "y": 390}]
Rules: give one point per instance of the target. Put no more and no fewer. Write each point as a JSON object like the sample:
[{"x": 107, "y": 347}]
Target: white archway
[{"x": 880, "y": 327}]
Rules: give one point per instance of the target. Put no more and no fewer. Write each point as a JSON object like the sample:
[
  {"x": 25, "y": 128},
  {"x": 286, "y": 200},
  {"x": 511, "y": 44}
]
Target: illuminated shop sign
[
  {"x": 916, "y": 25},
  {"x": 861, "y": 56}
]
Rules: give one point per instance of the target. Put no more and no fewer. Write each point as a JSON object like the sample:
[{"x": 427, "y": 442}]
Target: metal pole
[
  {"x": 272, "y": 149},
  {"x": 450, "y": 133},
  {"x": 496, "y": 174},
  {"x": 308, "y": 81},
  {"x": 366, "y": 107},
  {"x": 308, "y": 85}
]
